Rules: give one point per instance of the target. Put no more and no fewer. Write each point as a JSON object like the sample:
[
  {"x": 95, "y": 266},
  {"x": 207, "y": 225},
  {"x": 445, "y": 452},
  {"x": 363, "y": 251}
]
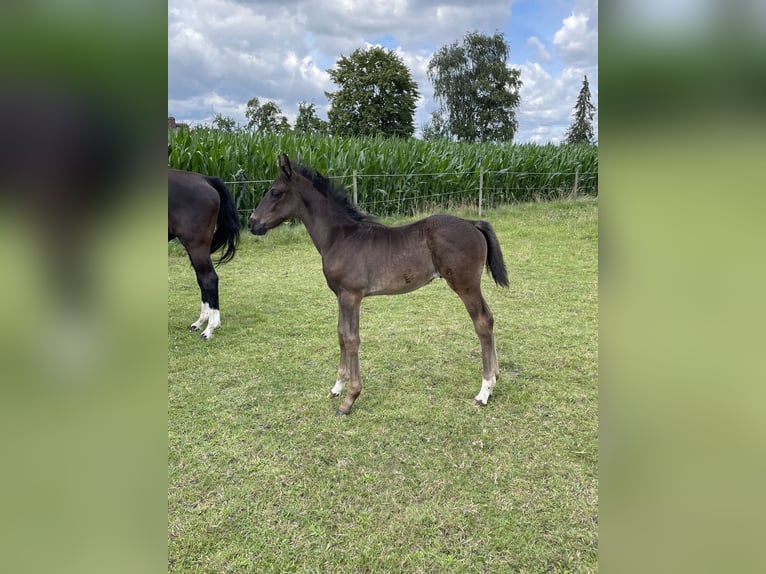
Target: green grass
[{"x": 264, "y": 478}]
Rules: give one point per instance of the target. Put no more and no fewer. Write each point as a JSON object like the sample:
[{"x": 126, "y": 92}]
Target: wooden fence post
[
  {"x": 356, "y": 199},
  {"x": 481, "y": 188}
]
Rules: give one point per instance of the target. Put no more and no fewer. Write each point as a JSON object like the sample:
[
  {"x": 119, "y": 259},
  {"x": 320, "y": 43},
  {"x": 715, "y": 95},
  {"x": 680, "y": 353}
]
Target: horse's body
[
  {"x": 202, "y": 215},
  {"x": 361, "y": 257}
]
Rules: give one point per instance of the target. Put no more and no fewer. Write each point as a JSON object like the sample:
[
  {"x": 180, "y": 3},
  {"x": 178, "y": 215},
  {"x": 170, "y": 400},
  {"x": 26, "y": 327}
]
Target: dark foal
[{"x": 361, "y": 257}]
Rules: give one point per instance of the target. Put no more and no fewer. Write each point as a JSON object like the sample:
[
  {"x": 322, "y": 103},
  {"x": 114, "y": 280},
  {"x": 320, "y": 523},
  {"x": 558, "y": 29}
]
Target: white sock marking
[
  {"x": 203, "y": 317},
  {"x": 338, "y": 388},
  {"x": 486, "y": 390},
  {"x": 214, "y": 321}
]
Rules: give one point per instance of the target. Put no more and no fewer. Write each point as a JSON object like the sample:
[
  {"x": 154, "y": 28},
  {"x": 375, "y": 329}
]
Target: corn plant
[{"x": 393, "y": 176}]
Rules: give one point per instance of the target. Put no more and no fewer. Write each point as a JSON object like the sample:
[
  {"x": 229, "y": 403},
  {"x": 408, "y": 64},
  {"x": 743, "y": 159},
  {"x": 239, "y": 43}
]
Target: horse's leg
[
  {"x": 483, "y": 322},
  {"x": 207, "y": 279},
  {"x": 348, "y": 337},
  {"x": 340, "y": 382}
]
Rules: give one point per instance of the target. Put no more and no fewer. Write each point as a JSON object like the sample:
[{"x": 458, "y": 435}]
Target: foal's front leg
[
  {"x": 340, "y": 382},
  {"x": 348, "y": 339}
]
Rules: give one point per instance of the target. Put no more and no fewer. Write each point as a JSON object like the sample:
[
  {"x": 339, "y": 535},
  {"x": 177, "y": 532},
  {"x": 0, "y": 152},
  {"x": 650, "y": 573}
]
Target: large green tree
[
  {"x": 581, "y": 130},
  {"x": 477, "y": 91},
  {"x": 376, "y": 95},
  {"x": 265, "y": 117}
]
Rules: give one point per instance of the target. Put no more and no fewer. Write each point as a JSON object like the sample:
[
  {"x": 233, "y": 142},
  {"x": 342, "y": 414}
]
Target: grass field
[{"x": 264, "y": 478}]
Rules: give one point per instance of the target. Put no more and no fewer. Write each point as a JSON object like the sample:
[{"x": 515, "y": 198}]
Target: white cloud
[
  {"x": 577, "y": 40},
  {"x": 543, "y": 104}
]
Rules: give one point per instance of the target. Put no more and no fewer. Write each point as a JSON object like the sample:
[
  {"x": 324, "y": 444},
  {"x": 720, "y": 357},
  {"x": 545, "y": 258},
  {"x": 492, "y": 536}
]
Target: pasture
[{"x": 263, "y": 477}]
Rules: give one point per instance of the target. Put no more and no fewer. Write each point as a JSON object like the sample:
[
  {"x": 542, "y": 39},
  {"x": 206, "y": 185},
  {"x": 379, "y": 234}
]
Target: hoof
[
  {"x": 332, "y": 395},
  {"x": 478, "y": 403},
  {"x": 193, "y": 328},
  {"x": 205, "y": 336},
  {"x": 340, "y": 413}
]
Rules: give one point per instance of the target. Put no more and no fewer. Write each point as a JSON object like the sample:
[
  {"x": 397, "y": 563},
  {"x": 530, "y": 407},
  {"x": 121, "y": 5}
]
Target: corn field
[{"x": 391, "y": 176}]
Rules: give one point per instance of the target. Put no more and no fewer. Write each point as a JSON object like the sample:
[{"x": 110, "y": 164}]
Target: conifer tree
[{"x": 581, "y": 130}]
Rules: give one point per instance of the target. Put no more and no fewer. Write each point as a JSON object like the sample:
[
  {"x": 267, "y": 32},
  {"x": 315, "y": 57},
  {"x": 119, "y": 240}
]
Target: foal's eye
[{"x": 275, "y": 192}]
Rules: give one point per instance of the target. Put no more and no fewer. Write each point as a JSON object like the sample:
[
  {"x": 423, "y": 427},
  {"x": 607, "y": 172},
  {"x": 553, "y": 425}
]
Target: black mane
[{"x": 336, "y": 194}]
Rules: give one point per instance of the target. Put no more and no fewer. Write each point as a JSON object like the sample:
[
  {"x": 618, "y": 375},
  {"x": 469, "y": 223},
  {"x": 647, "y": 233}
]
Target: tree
[
  {"x": 581, "y": 130},
  {"x": 477, "y": 92},
  {"x": 376, "y": 95},
  {"x": 435, "y": 128},
  {"x": 307, "y": 121},
  {"x": 224, "y": 123},
  {"x": 265, "y": 118}
]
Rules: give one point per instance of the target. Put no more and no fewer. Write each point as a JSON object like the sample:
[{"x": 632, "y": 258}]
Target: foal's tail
[
  {"x": 227, "y": 227},
  {"x": 495, "y": 263}
]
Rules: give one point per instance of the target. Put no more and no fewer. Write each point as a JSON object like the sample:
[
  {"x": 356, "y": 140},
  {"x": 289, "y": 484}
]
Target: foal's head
[
  {"x": 280, "y": 203},
  {"x": 284, "y": 201}
]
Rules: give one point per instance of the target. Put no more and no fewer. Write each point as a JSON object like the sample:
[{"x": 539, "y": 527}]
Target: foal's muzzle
[{"x": 257, "y": 228}]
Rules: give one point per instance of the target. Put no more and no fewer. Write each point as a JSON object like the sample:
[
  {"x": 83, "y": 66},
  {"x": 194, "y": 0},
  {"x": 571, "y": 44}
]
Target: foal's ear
[{"x": 284, "y": 165}]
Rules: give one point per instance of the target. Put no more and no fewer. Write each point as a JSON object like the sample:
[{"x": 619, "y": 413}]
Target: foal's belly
[{"x": 402, "y": 281}]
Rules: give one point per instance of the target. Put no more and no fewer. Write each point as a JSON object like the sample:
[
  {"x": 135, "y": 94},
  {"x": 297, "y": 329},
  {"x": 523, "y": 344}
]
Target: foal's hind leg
[{"x": 483, "y": 322}]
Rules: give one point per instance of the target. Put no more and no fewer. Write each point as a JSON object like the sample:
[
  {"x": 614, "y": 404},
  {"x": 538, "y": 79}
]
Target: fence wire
[{"x": 408, "y": 194}]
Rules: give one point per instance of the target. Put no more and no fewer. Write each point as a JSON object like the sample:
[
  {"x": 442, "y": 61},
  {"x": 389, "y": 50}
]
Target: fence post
[
  {"x": 356, "y": 202},
  {"x": 577, "y": 178},
  {"x": 481, "y": 188}
]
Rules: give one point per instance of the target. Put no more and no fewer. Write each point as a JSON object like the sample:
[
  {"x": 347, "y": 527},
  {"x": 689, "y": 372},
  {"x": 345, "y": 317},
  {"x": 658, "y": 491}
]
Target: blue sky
[{"x": 221, "y": 53}]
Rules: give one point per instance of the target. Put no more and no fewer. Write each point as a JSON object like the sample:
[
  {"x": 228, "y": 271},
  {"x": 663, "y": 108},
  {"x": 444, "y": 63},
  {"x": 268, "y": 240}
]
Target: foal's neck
[{"x": 323, "y": 217}]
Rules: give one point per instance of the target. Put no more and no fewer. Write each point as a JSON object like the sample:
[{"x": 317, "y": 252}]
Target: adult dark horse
[
  {"x": 202, "y": 215},
  {"x": 361, "y": 257}
]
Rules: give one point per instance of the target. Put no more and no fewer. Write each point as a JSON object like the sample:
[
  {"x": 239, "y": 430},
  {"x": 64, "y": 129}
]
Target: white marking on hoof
[
  {"x": 486, "y": 391},
  {"x": 203, "y": 317},
  {"x": 214, "y": 321},
  {"x": 337, "y": 389}
]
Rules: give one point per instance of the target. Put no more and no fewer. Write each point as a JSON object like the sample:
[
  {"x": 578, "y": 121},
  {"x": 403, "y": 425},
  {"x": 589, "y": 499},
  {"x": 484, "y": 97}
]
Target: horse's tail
[
  {"x": 227, "y": 226},
  {"x": 495, "y": 262}
]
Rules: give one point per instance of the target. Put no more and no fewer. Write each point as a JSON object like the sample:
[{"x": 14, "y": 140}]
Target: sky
[{"x": 222, "y": 53}]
